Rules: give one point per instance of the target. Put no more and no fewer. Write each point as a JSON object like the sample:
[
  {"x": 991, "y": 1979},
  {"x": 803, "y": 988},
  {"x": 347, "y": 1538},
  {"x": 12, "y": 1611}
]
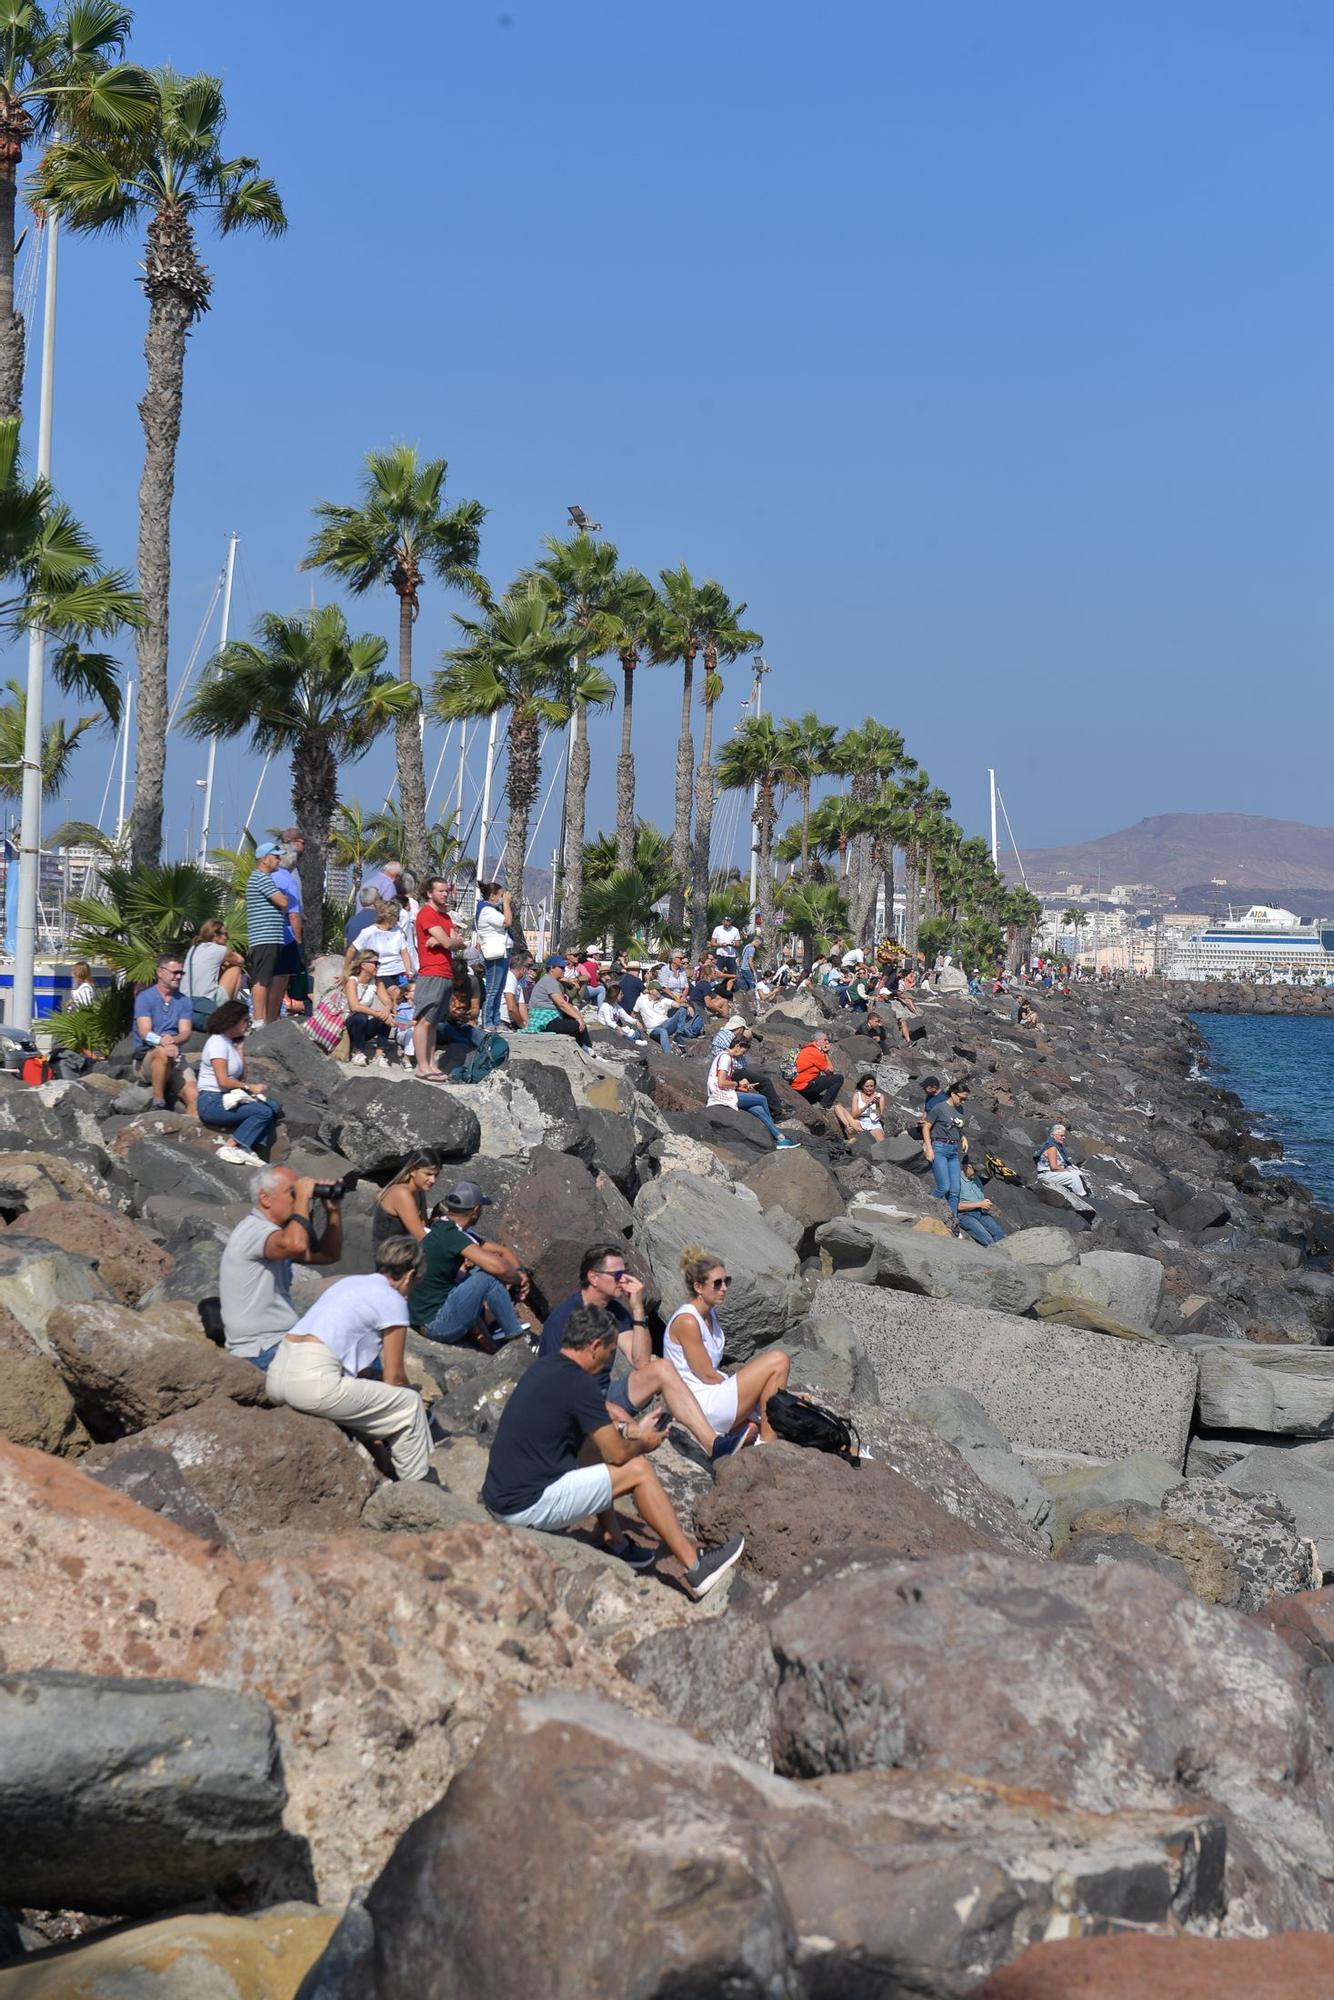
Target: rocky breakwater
[
  {"x": 1248, "y": 996},
  {"x": 1052, "y": 1662}
]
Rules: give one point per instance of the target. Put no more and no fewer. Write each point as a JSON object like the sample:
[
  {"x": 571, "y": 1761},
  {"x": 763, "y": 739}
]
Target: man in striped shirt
[{"x": 265, "y": 913}]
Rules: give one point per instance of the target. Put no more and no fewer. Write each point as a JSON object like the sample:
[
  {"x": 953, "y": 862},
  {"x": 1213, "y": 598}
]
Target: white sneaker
[
  {"x": 234, "y": 1156},
  {"x": 358, "y": 1059}
]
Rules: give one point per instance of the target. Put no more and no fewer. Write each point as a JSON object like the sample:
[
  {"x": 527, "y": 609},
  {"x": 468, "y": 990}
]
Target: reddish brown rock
[
  {"x": 126, "y": 1370},
  {"x": 1305, "y": 1622},
  {"x": 128, "y": 1262},
  {"x": 549, "y": 1218},
  {"x": 791, "y": 1504},
  {"x": 1295, "y": 1966}
]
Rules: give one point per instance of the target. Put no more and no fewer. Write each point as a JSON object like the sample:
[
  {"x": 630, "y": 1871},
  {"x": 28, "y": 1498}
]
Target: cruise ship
[{"x": 1268, "y": 944}]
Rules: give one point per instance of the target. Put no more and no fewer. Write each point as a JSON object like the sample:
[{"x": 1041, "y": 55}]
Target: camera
[{"x": 330, "y": 1190}]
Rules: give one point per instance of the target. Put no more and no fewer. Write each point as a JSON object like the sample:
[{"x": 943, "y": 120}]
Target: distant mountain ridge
[{"x": 1256, "y": 860}]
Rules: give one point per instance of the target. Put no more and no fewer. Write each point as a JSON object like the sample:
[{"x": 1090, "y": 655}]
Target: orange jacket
[{"x": 811, "y": 1062}]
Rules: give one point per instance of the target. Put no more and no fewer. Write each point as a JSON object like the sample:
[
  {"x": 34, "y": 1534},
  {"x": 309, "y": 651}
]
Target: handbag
[{"x": 328, "y": 1021}]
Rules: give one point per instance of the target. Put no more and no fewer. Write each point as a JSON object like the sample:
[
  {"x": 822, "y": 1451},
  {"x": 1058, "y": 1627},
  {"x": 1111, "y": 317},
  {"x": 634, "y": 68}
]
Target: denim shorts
[{"x": 586, "y": 1490}]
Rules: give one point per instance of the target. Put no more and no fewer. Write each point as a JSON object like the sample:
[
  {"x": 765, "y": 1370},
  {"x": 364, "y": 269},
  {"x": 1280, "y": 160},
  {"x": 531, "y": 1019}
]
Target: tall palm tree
[
  {"x": 55, "y": 73},
  {"x": 723, "y": 637},
  {"x": 173, "y": 170},
  {"x": 815, "y": 911},
  {"x": 678, "y": 634},
  {"x": 871, "y": 755},
  {"x": 913, "y": 792},
  {"x": 516, "y": 656},
  {"x": 619, "y": 905},
  {"x": 808, "y": 750},
  {"x": 1020, "y": 913},
  {"x": 305, "y": 689},
  {"x": 885, "y": 823},
  {"x": 59, "y": 743},
  {"x": 751, "y": 760},
  {"x": 581, "y": 575},
  {"x": 399, "y": 530},
  {"x": 629, "y": 633}
]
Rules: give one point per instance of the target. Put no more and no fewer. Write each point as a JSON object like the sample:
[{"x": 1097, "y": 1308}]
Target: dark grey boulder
[
  {"x": 153, "y": 1479},
  {"x": 375, "y": 1123}
]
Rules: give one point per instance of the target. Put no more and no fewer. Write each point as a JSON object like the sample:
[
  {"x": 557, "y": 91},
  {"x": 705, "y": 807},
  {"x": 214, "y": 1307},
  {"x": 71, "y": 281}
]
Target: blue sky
[{"x": 983, "y": 351}]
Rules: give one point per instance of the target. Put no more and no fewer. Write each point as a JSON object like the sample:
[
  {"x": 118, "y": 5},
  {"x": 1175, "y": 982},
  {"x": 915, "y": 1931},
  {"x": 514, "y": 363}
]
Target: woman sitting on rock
[
  {"x": 868, "y": 1107},
  {"x": 550, "y": 1011},
  {"x": 401, "y": 1209},
  {"x": 370, "y": 1011},
  {"x": 1057, "y": 1170},
  {"x": 321, "y": 1366},
  {"x": 693, "y": 1343},
  {"x": 726, "y": 1087},
  {"x": 226, "y": 1103}
]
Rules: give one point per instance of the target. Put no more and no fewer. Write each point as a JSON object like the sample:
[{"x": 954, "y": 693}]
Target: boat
[{"x": 1264, "y": 943}]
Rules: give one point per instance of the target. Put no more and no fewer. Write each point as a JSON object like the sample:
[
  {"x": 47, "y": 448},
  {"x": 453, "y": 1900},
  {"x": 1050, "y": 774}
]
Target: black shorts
[{"x": 262, "y": 962}]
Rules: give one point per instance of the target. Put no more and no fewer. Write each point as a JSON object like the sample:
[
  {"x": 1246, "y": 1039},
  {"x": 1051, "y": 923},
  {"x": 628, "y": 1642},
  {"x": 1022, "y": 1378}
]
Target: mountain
[{"x": 1216, "y": 857}]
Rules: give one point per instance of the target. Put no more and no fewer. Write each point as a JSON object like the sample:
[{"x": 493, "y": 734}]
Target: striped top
[{"x": 264, "y": 920}]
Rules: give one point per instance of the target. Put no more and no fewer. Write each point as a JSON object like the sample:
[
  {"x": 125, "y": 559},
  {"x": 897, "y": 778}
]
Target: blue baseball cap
[
  {"x": 269, "y": 847},
  {"x": 556, "y": 964}
]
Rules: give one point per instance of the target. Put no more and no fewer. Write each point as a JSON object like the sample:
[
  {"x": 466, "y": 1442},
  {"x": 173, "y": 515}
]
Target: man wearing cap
[
  {"x": 466, "y": 1285},
  {"x": 266, "y": 917},
  {"x": 292, "y": 957},
  {"x": 550, "y": 1011}
]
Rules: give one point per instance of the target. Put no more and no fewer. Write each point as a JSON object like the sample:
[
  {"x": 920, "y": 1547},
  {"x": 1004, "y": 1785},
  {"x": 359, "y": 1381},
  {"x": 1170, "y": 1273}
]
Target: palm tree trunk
[
  {"x": 699, "y": 902},
  {"x": 521, "y": 783},
  {"x": 765, "y": 815},
  {"x": 576, "y": 814},
  {"x": 169, "y": 319},
  {"x": 862, "y": 904},
  {"x": 889, "y": 891},
  {"x": 805, "y": 832},
  {"x": 408, "y": 753},
  {"x": 910, "y": 897},
  {"x": 685, "y": 764},
  {"x": 314, "y": 802},
  {"x": 11, "y": 322},
  {"x": 625, "y": 775}
]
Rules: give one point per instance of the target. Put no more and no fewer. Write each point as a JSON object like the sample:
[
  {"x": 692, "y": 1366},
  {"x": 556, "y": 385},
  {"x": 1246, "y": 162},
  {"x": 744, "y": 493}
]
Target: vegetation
[{"x": 143, "y": 912}]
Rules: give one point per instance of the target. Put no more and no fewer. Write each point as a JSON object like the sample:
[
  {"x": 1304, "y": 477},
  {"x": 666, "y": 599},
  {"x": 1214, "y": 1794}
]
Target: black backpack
[{"x": 798, "y": 1420}]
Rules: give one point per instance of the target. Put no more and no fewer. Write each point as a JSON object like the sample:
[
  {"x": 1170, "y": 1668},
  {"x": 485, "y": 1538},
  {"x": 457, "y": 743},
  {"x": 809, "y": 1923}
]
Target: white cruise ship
[{"x": 1268, "y": 944}]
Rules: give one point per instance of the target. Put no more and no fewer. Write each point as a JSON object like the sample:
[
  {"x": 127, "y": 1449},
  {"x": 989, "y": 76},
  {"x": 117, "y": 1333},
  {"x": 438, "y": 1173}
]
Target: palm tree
[
  {"x": 173, "y": 169},
  {"x": 53, "y": 74},
  {"x": 751, "y": 759},
  {"x": 58, "y": 745},
  {"x": 678, "y": 634},
  {"x": 352, "y": 838},
  {"x": 834, "y": 825},
  {"x": 651, "y": 854},
  {"x": 141, "y": 913},
  {"x": 808, "y": 747},
  {"x": 885, "y": 823},
  {"x": 815, "y": 911},
  {"x": 586, "y": 687},
  {"x": 308, "y": 690},
  {"x": 620, "y": 906},
  {"x": 400, "y": 530},
  {"x": 630, "y": 625},
  {"x": 871, "y": 755},
  {"x": 1020, "y": 913},
  {"x": 1076, "y": 919},
  {"x": 722, "y": 637},
  {"x": 516, "y": 657}
]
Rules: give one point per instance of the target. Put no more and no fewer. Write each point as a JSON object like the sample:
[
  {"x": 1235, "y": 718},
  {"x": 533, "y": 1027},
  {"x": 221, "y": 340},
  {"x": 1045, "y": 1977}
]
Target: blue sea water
[{"x": 1282, "y": 1069}]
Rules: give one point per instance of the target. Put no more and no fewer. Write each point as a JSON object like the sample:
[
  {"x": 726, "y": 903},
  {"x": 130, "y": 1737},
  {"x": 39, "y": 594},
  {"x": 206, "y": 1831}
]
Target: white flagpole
[{"x": 30, "y": 823}]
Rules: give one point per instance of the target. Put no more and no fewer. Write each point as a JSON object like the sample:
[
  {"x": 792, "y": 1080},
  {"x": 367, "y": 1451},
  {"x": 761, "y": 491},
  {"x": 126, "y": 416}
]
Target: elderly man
[
  {"x": 1057, "y": 1170},
  {"x": 163, "y": 1024},
  {"x": 385, "y": 881},
  {"x": 266, "y": 928},
  {"x": 819, "y": 1082},
  {"x": 255, "y": 1278},
  {"x": 363, "y": 916},
  {"x": 292, "y": 958}
]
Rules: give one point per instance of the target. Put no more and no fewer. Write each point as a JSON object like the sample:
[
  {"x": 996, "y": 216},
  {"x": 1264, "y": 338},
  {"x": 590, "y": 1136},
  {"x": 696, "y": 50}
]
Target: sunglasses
[
  {"x": 717, "y": 1284},
  {"x": 616, "y": 1276}
]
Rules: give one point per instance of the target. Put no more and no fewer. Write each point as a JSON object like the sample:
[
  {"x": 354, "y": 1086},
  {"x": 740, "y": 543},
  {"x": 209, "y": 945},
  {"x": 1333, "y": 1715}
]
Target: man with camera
[{"x": 255, "y": 1279}]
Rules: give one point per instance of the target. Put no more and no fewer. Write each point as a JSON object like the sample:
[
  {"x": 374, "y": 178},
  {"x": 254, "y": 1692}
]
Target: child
[
  {"x": 403, "y": 1025},
  {"x": 612, "y": 1015}
]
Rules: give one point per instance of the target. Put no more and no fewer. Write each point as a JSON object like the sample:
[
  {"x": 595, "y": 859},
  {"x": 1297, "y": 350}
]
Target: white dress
[{"x": 716, "y": 1399}]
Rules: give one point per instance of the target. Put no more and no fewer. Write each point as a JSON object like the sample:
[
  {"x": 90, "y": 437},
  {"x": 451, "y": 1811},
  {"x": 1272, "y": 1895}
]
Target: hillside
[{"x": 1259, "y": 860}]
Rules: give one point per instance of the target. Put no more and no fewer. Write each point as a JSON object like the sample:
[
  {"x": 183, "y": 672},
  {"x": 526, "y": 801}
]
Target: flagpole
[
  {"x": 24, "y": 945},
  {"x": 223, "y": 636}
]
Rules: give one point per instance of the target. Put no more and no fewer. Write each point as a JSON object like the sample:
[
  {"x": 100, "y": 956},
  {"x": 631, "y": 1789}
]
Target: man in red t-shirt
[{"x": 435, "y": 973}]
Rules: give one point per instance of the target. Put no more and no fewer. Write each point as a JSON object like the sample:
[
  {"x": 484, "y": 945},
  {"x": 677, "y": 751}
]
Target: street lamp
[{"x": 582, "y": 522}]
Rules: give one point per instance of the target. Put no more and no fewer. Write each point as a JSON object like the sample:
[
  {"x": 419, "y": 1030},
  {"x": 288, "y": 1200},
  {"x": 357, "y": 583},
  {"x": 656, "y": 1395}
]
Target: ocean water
[{"x": 1282, "y": 1069}]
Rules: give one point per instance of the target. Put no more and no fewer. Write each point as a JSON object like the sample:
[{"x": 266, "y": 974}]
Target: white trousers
[
  {"x": 1069, "y": 1180},
  {"x": 307, "y": 1376}
]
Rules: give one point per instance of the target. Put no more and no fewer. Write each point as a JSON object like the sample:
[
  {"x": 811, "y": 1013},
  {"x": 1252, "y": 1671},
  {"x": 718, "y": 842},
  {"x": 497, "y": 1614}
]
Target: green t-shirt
[{"x": 442, "y": 1255}]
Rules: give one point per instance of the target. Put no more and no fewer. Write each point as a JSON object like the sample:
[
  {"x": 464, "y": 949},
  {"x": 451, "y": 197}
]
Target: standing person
[
  {"x": 725, "y": 1087},
  {"x": 748, "y": 977},
  {"x": 816, "y": 1079},
  {"x": 942, "y": 1135},
  {"x": 82, "y": 990},
  {"x": 265, "y": 916},
  {"x": 362, "y": 917},
  {"x": 250, "y": 1117},
  {"x": 467, "y": 1286},
  {"x": 693, "y": 1343},
  {"x": 320, "y": 1367},
  {"x": 255, "y": 1276},
  {"x": 976, "y": 1215},
  {"x": 370, "y": 1012},
  {"x": 435, "y": 973},
  {"x": 495, "y": 921},
  {"x": 388, "y": 937},
  {"x": 292, "y": 958},
  {"x": 163, "y": 1023},
  {"x": 557, "y": 1456},
  {"x": 726, "y": 942},
  {"x": 549, "y": 1010}
]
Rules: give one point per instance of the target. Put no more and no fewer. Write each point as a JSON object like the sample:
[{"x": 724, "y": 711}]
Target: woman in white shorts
[
  {"x": 693, "y": 1344},
  {"x": 868, "y": 1106}
]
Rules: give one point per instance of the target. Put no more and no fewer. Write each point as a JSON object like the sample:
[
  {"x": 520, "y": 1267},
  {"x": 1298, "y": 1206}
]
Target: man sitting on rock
[
  {"x": 466, "y": 1287},
  {"x": 163, "y": 1024},
  {"x": 605, "y": 1281},
  {"x": 557, "y": 1457},
  {"x": 819, "y": 1082},
  {"x": 255, "y": 1277}
]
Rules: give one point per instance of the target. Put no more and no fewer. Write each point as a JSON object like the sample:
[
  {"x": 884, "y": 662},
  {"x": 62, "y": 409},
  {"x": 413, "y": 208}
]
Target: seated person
[
  {"x": 612, "y": 1015},
  {"x": 456, "y": 1029},
  {"x": 727, "y": 1086},
  {"x": 514, "y": 1000},
  {"x": 975, "y": 1213},
  {"x": 693, "y": 1343},
  {"x": 322, "y": 1365},
  {"x": 1057, "y": 1170},
  {"x": 163, "y": 1024},
  {"x": 819, "y": 1082},
  {"x": 604, "y": 1281},
  {"x": 255, "y": 1277},
  {"x": 82, "y": 990},
  {"x": 868, "y": 1106},
  {"x": 552, "y": 1012},
  {"x": 370, "y": 1010},
  {"x": 660, "y": 1017},
  {"x": 467, "y": 1287},
  {"x": 557, "y": 1457},
  {"x": 226, "y": 1102}
]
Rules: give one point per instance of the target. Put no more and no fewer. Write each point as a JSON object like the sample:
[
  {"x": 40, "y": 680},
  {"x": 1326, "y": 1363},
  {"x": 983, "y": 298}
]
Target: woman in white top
[
  {"x": 203, "y": 964},
  {"x": 495, "y": 915},
  {"x": 370, "y": 1013},
  {"x": 868, "y": 1106},
  {"x": 611, "y": 1014},
  {"x": 693, "y": 1344},
  {"x": 250, "y": 1117},
  {"x": 727, "y": 1086},
  {"x": 388, "y": 939},
  {"x": 321, "y": 1366},
  {"x": 657, "y": 1014}
]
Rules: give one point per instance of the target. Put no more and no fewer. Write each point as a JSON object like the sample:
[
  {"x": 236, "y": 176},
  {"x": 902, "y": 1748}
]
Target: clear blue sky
[{"x": 984, "y": 351}]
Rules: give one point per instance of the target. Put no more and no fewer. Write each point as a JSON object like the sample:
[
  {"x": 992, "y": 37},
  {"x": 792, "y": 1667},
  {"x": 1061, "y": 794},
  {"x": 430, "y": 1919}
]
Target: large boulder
[
  {"x": 37, "y": 1179},
  {"x": 962, "y": 1420},
  {"x": 34, "y": 1280},
  {"x": 606, "y": 1084},
  {"x": 261, "y": 1468},
  {"x": 1139, "y": 1480},
  {"x": 717, "y": 1677},
  {"x": 792, "y": 1504},
  {"x": 551, "y": 1214},
  {"x": 1106, "y": 1687},
  {"x": 1225, "y": 1548},
  {"x": 519, "y": 1108},
  {"x": 121, "y": 1796},
  {"x": 800, "y": 1184},
  {"x": 1046, "y": 1388},
  {"x": 1302, "y": 1479},
  {"x": 1134, "y": 1284},
  {"x": 938, "y": 1267},
  {"x": 714, "y": 1878},
  {"x": 1243, "y": 1387},
  {"x": 764, "y": 1300},
  {"x": 36, "y": 1407},
  {"x": 1297, "y": 1966},
  {"x": 128, "y": 1262},
  {"x": 1047, "y": 1246},
  {"x": 126, "y": 1370},
  {"x": 153, "y": 1479},
  {"x": 256, "y": 1957},
  {"x": 375, "y": 1122}
]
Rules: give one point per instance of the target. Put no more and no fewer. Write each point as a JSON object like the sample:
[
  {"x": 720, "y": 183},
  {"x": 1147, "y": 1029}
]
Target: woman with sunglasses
[
  {"x": 251, "y": 1119},
  {"x": 693, "y": 1343},
  {"x": 370, "y": 1014}
]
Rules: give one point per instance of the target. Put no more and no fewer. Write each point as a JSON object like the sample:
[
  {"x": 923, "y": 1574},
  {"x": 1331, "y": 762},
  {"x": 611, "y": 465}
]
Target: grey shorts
[
  {"x": 586, "y": 1490},
  {"x": 431, "y": 997},
  {"x": 619, "y": 1393}
]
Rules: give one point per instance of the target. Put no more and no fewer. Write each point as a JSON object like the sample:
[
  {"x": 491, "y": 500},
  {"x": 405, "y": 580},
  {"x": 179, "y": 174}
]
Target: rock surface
[
  {"x": 764, "y": 1300},
  {"x": 126, "y": 1370},
  {"x": 199, "y": 1957},
  {"x": 1293, "y": 1967}
]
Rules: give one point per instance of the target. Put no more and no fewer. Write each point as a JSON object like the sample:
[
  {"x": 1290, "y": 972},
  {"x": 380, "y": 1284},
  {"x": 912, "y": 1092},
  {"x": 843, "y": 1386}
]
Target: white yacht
[{"x": 1265, "y": 943}]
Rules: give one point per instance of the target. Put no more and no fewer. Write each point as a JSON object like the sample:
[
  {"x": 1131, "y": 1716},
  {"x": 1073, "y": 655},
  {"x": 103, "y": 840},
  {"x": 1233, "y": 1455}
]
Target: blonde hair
[{"x": 696, "y": 1264}]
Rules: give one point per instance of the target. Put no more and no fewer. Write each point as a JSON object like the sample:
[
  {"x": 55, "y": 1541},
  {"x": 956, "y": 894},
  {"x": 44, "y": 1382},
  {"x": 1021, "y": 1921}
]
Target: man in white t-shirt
[
  {"x": 514, "y": 1001},
  {"x": 726, "y": 942}
]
